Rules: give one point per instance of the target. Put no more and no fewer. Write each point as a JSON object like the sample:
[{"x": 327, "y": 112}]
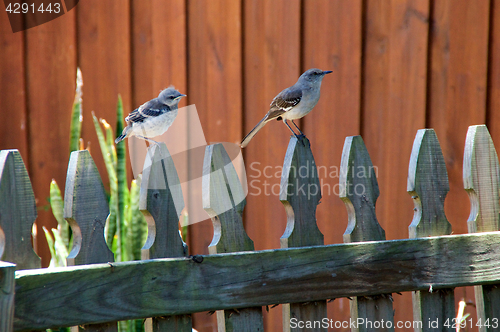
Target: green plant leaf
[
  {"x": 76, "y": 114},
  {"x": 57, "y": 206}
]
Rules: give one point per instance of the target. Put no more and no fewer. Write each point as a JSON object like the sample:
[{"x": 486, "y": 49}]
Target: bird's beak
[
  {"x": 177, "y": 98},
  {"x": 327, "y": 72}
]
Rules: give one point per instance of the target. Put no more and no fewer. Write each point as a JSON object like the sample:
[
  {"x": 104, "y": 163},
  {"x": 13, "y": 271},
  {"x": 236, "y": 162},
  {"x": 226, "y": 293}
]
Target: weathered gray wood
[
  {"x": 428, "y": 186},
  {"x": 7, "y": 283},
  {"x": 481, "y": 174},
  {"x": 300, "y": 194},
  {"x": 172, "y": 286},
  {"x": 359, "y": 191},
  {"x": 161, "y": 202},
  {"x": 17, "y": 212},
  {"x": 224, "y": 201},
  {"x": 86, "y": 209}
]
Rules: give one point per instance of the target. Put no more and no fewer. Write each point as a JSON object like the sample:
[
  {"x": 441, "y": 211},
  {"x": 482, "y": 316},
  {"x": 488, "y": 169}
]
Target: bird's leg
[
  {"x": 301, "y": 133},
  {"x": 298, "y": 137},
  {"x": 147, "y": 139}
]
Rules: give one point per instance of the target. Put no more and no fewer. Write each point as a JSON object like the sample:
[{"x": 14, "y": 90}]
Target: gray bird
[
  {"x": 293, "y": 102},
  {"x": 154, "y": 117}
]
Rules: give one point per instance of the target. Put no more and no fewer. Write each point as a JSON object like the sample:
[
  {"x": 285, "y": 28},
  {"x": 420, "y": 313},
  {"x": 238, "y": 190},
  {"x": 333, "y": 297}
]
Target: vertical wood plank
[
  {"x": 457, "y": 86},
  {"x": 359, "y": 191},
  {"x": 86, "y": 210},
  {"x": 224, "y": 201},
  {"x": 428, "y": 186},
  {"x": 393, "y": 98},
  {"x": 155, "y": 64},
  {"x": 51, "y": 60},
  {"x": 493, "y": 93},
  {"x": 7, "y": 286},
  {"x": 271, "y": 63},
  {"x": 214, "y": 34},
  {"x": 300, "y": 194},
  {"x": 161, "y": 203},
  {"x": 104, "y": 57},
  {"x": 481, "y": 175},
  {"x": 337, "y": 47},
  {"x": 17, "y": 212},
  {"x": 14, "y": 133}
]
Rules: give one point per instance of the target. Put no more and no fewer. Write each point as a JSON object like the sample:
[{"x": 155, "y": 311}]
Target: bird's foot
[{"x": 301, "y": 139}]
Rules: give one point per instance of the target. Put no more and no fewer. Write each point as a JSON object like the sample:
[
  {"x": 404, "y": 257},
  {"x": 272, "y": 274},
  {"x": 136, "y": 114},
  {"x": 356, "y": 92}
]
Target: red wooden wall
[{"x": 398, "y": 66}]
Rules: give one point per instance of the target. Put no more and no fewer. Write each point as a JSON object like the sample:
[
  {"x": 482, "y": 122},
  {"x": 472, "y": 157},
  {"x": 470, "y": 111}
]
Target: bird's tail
[
  {"x": 254, "y": 131},
  {"x": 123, "y": 135}
]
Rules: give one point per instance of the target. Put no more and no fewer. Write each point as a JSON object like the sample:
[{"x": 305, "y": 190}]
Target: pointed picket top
[
  {"x": 359, "y": 192},
  {"x": 428, "y": 186},
  {"x": 481, "y": 180},
  {"x": 161, "y": 202},
  {"x": 86, "y": 210},
  {"x": 481, "y": 174},
  {"x": 300, "y": 194},
  {"x": 224, "y": 201},
  {"x": 17, "y": 212}
]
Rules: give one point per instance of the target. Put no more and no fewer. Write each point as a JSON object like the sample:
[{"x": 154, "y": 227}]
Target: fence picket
[
  {"x": 161, "y": 202},
  {"x": 300, "y": 194},
  {"x": 224, "y": 201},
  {"x": 359, "y": 191},
  {"x": 17, "y": 212},
  {"x": 86, "y": 210},
  {"x": 7, "y": 282},
  {"x": 428, "y": 186},
  {"x": 481, "y": 174}
]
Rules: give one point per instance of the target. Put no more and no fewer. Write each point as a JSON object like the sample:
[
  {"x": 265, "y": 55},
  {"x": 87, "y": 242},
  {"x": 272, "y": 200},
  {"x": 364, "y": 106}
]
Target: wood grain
[
  {"x": 338, "y": 113},
  {"x": 428, "y": 186},
  {"x": 272, "y": 62},
  {"x": 161, "y": 203},
  {"x": 493, "y": 92},
  {"x": 86, "y": 210},
  {"x": 481, "y": 181},
  {"x": 104, "y": 25},
  {"x": 300, "y": 194},
  {"x": 359, "y": 191},
  {"x": 17, "y": 212},
  {"x": 332, "y": 32},
  {"x": 214, "y": 64},
  {"x": 457, "y": 87},
  {"x": 224, "y": 200},
  {"x": 7, "y": 286},
  {"x": 173, "y": 286},
  {"x": 393, "y": 102},
  {"x": 51, "y": 61},
  {"x": 14, "y": 115}
]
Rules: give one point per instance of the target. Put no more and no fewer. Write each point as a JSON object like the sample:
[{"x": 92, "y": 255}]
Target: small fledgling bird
[
  {"x": 293, "y": 102},
  {"x": 154, "y": 117}
]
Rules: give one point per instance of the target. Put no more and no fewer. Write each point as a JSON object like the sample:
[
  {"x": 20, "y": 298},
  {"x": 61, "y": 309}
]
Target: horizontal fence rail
[
  {"x": 169, "y": 285},
  {"x": 117, "y": 291}
]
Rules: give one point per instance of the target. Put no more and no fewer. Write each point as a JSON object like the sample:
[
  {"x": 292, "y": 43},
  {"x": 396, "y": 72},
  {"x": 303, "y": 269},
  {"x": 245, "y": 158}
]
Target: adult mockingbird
[
  {"x": 154, "y": 117},
  {"x": 293, "y": 102}
]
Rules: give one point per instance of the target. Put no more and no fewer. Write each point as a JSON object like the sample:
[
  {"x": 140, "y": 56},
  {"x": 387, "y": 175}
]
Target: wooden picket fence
[{"x": 237, "y": 281}]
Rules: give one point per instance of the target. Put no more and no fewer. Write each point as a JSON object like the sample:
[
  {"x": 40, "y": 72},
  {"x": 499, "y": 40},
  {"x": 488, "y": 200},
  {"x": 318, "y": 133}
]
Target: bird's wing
[
  {"x": 152, "y": 108},
  {"x": 284, "y": 101}
]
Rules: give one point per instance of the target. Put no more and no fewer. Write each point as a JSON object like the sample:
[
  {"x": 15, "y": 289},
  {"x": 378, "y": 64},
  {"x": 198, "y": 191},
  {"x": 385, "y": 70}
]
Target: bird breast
[{"x": 155, "y": 126}]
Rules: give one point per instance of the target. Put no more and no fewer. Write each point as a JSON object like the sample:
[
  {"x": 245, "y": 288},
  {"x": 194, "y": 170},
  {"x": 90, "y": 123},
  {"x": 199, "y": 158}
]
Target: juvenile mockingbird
[
  {"x": 154, "y": 117},
  {"x": 293, "y": 102}
]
